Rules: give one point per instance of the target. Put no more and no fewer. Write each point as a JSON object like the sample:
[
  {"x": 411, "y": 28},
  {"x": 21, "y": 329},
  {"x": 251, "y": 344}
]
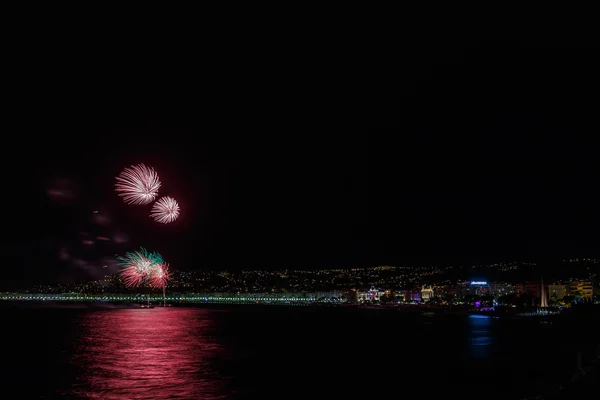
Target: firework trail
[
  {"x": 165, "y": 210},
  {"x": 138, "y": 184},
  {"x": 139, "y": 266}
]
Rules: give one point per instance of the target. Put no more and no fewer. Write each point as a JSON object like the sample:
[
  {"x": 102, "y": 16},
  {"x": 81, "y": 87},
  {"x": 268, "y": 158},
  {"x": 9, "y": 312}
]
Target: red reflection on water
[{"x": 155, "y": 353}]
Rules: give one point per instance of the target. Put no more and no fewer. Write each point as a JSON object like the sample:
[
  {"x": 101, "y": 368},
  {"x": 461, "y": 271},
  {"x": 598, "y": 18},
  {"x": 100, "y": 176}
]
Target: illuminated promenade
[{"x": 206, "y": 298}]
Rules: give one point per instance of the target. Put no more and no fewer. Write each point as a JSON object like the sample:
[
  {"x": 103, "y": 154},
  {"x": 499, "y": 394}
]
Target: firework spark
[
  {"x": 165, "y": 210},
  {"x": 139, "y": 266},
  {"x": 138, "y": 184},
  {"x": 159, "y": 275},
  {"x": 131, "y": 277}
]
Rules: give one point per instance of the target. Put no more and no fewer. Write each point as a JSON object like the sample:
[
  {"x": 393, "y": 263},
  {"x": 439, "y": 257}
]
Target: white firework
[
  {"x": 165, "y": 210},
  {"x": 138, "y": 184}
]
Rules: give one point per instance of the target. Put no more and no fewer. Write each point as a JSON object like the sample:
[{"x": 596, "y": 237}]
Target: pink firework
[
  {"x": 138, "y": 184},
  {"x": 165, "y": 210},
  {"x": 138, "y": 266},
  {"x": 132, "y": 277},
  {"x": 159, "y": 275}
]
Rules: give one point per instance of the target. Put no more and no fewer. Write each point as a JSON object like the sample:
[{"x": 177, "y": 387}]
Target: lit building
[
  {"x": 583, "y": 288},
  {"x": 372, "y": 295},
  {"x": 400, "y": 295},
  {"x": 472, "y": 288},
  {"x": 331, "y": 295},
  {"x": 533, "y": 288},
  {"x": 499, "y": 289},
  {"x": 557, "y": 292},
  {"x": 412, "y": 296},
  {"x": 519, "y": 288},
  {"x": 426, "y": 293},
  {"x": 464, "y": 289},
  {"x": 441, "y": 290}
]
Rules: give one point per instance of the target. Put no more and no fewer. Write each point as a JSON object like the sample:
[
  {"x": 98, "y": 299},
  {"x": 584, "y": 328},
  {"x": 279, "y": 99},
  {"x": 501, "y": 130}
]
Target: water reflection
[
  {"x": 479, "y": 336},
  {"x": 147, "y": 354}
]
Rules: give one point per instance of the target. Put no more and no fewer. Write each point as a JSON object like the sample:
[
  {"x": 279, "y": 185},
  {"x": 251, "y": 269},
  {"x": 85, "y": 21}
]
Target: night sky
[{"x": 457, "y": 151}]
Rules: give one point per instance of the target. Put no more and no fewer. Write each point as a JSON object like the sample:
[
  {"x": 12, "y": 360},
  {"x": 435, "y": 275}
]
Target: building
[
  {"x": 400, "y": 295},
  {"x": 472, "y": 288},
  {"x": 499, "y": 289},
  {"x": 372, "y": 295},
  {"x": 558, "y": 292},
  {"x": 426, "y": 293},
  {"x": 412, "y": 296},
  {"x": 519, "y": 288},
  {"x": 484, "y": 288},
  {"x": 333, "y": 295},
  {"x": 534, "y": 289},
  {"x": 443, "y": 290},
  {"x": 462, "y": 289},
  {"x": 584, "y": 288}
]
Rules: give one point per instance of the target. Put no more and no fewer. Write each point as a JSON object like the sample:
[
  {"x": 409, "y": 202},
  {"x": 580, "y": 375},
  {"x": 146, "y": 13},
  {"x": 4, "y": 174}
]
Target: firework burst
[
  {"x": 159, "y": 276},
  {"x": 165, "y": 210},
  {"x": 138, "y": 184},
  {"x": 139, "y": 266},
  {"x": 132, "y": 277}
]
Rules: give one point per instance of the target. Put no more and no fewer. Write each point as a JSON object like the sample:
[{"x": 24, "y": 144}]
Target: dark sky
[{"x": 447, "y": 150}]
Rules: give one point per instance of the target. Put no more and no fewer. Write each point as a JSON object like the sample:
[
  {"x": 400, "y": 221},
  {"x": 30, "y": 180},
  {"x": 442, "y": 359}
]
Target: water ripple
[{"x": 147, "y": 354}]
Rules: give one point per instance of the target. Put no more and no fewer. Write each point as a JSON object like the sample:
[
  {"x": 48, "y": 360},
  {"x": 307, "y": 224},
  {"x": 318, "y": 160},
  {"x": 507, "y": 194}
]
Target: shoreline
[{"x": 158, "y": 303}]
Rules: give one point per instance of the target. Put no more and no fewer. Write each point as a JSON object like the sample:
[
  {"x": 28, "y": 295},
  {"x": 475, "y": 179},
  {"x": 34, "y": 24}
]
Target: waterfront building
[
  {"x": 519, "y": 288},
  {"x": 372, "y": 295},
  {"x": 426, "y": 293},
  {"x": 558, "y": 292},
  {"x": 441, "y": 290},
  {"x": 484, "y": 288},
  {"x": 532, "y": 288},
  {"x": 498, "y": 289},
  {"x": 472, "y": 288},
  {"x": 400, "y": 294},
  {"x": 412, "y": 296},
  {"x": 582, "y": 287}
]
